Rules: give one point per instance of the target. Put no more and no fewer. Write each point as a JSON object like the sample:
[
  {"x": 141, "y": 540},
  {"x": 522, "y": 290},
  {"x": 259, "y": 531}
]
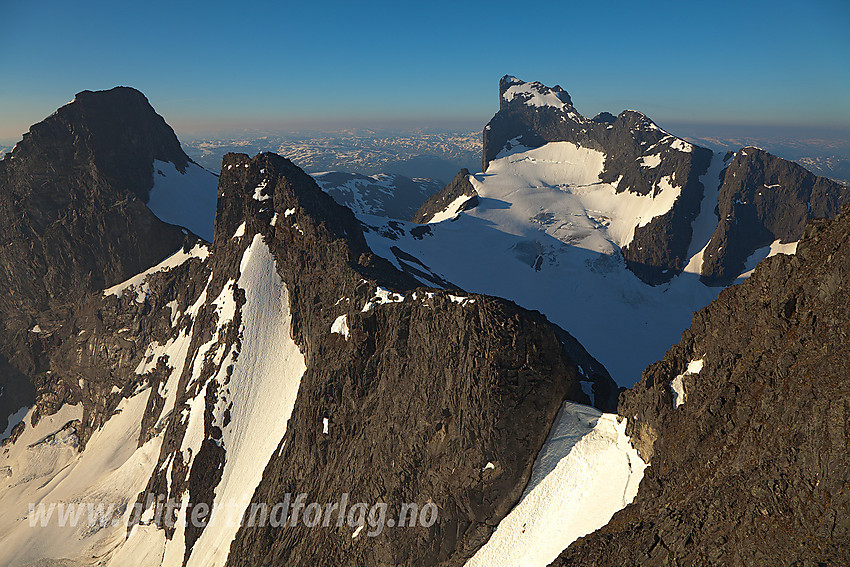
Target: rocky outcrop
[
  {"x": 73, "y": 221},
  {"x": 764, "y": 199},
  {"x": 459, "y": 195},
  {"x": 385, "y": 195},
  {"x": 745, "y": 425},
  {"x": 640, "y": 158}
]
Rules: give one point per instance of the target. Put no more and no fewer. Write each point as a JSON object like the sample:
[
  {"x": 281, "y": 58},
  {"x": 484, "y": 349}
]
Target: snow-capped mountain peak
[{"x": 534, "y": 94}]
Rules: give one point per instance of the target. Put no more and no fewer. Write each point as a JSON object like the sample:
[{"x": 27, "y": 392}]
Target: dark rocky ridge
[
  {"x": 73, "y": 221},
  {"x": 754, "y": 468},
  {"x": 764, "y": 198},
  {"x": 481, "y": 381},
  {"x": 459, "y": 187},
  {"x": 657, "y": 252}
]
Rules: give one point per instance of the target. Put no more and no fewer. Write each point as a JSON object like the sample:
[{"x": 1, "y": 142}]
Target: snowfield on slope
[
  {"x": 547, "y": 234},
  {"x": 137, "y": 282},
  {"x": 44, "y": 467},
  {"x": 557, "y": 188},
  {"x": 185, "y": 199},
  {"x": 259, "y": 395},
  {"x": 586, "y": 471}
]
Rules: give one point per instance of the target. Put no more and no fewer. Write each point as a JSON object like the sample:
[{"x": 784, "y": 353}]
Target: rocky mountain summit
[
  {"x": 643, "y": 159},
  {"x": 764, "y": 199},
  {"x": 640, "y": 158},
  {"x": 73, "y": 221}
]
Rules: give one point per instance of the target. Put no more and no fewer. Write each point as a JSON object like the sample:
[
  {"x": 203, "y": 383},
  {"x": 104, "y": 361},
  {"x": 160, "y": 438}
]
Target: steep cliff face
[
  {"x": 73, "y": 212},
  {"x": 764, "y": 200},
  {"x": 745, "y": 425},
  {"x": 73, "y": 221}
]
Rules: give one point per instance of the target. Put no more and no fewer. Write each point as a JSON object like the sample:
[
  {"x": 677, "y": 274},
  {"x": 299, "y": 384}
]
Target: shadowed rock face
[
  {"x": 419, "y": 398},
  {"x": 532, "y": 114},
  {"x": 73, "y": 220},
  {"x": 753, "y": 469},
  {"x": 73, "y": 193},
  {"x": 459, "y": 187},
  {"x": 764, "y": 198}
]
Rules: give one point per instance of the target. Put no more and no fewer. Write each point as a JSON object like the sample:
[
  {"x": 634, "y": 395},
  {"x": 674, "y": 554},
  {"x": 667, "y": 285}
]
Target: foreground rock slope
[{"x": 745, "y": 425}]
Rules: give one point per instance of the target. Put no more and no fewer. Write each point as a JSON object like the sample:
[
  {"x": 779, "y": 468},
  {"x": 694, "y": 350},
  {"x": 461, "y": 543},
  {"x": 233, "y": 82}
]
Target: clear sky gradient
[{"x": 208, "y": 66}]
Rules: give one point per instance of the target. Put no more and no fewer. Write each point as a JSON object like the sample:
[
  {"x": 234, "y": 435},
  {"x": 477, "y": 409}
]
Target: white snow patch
[
  {"x": 677, "y": 385},
  {"x": 225, "y": 304},
  {"x": 679, "y": 394},
  {"x": 776, "y": 247},
  {"x": 488, "y": 466},
  {"x": 586, "y": 471},
  {"x": 289, "y": 212},
  {"x": 512, "y": 146},
  {"x": 273, "y": 222},
  {"x": 682, "y": 146},
  {"x": 340, "y": 326},
  {"x": 539, "y": 95},
  {"x": 263, "y": 385},
  {"x": 451, "y": 211},
  {"x": 35, "y": 329},
  {"x": 258, "y": 191},
  {"x": 695, "y": 366},
  {"x": 461, "y": 300},
  {"x": 325, "y": 425},
  {"x": 240, "y": 231},
  {"x": 382, "y": 295},
  {"x": 651, "y": 162},
  {"x": 175, "y": 312},
  {"x": 706, "y": 223},
  {"x": 199, "y": 251}
]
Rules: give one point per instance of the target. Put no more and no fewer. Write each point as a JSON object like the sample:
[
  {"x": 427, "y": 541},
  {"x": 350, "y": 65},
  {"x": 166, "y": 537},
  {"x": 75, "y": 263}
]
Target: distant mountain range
[
  {"x": 441, "y": 155},
  {"x": 437, "y": 155}
]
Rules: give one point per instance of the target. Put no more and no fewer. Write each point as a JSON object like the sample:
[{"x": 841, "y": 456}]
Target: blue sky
[{"x": 218, "y": 65}]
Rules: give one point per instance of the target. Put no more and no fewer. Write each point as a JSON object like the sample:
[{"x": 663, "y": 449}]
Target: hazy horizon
[{"x": 276, "y": 65}]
